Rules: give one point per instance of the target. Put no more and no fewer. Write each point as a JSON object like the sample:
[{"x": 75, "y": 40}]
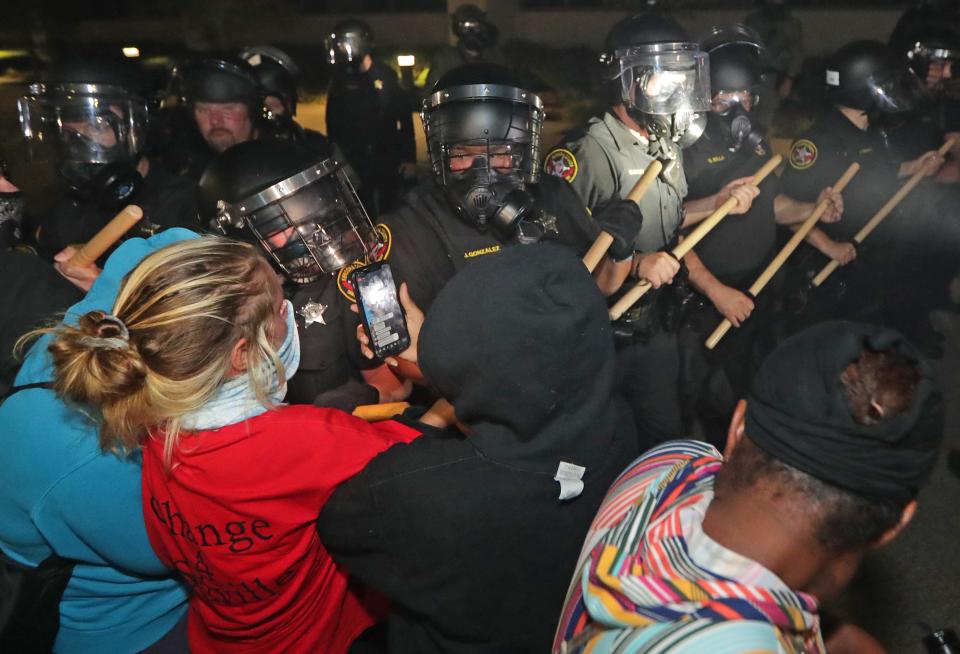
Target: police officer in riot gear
[
  {"x": 87, "y": 117},
  {"x": 931, "y": 56},
  {"x": 738, "y": 248},
  {"x": 476, "y": 41},
  {"x": 658, "y": 80},
  {"x": 486, "y": 191},
  {"x": 872, "y": 90},
  {"x": 222, "y": 107},
  {"x": 303, "y": 211},
  {"x": 369, "y": 116}
]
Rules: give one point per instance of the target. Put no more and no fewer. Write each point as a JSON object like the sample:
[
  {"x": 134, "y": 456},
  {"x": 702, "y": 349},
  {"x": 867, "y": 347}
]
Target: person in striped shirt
[{"x": 694, "y": 551}]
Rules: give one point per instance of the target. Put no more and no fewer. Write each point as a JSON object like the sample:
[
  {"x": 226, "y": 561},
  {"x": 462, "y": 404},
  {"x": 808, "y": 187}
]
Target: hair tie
[{"x": 109, "y": 343}]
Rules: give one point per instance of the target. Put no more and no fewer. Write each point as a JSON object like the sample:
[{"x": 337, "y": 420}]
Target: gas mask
[
  {"x": 484, "y": 144},
  {"x": 94, "y": 133},
  {"x": 735, "y": 129}
]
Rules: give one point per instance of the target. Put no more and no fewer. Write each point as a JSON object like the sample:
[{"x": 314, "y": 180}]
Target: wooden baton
[
  {"x": 106, "y": 237},
  {"x": 884, "y": 211},
  {"x": 639, "y": 290},
  {"x": 377, "y": 412},
  {"x": 600, "y": 246},
  {"x": 788, "y": 249}
]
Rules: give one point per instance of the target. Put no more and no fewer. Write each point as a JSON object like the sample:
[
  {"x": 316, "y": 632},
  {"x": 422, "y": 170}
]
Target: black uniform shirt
[
  {"x": 167, "y": 201},
  {"x": 429, "y": 243},
  {"x": 327, "y": 345},
  {"x": 821, "y": 155},
  {"x": 370, "y": 119},
  {"x": 739, "y": 246}
]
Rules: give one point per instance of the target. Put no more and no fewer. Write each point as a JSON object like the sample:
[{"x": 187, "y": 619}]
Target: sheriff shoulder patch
[
  {"x": 803, "y": 154},
  {"x": 561, "y": 163},
  {"x": 380, "y": 252}
]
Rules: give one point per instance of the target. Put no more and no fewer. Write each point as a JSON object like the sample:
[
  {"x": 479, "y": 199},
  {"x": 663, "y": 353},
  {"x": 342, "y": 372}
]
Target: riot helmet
[
  {"x": 302, "y": 210},
  {"x": 473, "y": 31},
  {"x": 87, "y": 116},
  {"x": 348, "y": 45},
  {"x": 225, "y": 99},
  {"x": 663, "y": 79},
  {"x": 483, "y": 135},
  {"x": 277, "y": 74},
  {"x": 935, "y": 44},
  {"x": 866, "y": 75},
  {"x": 221, "y": 81},
  {"x": 736, "y": 80}
]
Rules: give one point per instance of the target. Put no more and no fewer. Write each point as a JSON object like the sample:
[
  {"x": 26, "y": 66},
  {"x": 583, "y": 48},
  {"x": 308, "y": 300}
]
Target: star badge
[{"x": 312, "y": 312}]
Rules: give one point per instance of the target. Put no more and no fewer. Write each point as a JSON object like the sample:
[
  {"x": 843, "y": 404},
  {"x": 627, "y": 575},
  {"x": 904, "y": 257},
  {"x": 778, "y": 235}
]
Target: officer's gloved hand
[{"x": 622, "y": 220}]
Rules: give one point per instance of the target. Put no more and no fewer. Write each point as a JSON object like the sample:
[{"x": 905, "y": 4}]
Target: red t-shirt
[{"x": 236, "y": 517}]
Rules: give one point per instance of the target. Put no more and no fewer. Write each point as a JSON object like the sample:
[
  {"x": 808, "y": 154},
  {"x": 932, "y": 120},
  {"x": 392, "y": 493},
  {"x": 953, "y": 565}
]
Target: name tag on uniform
[{"x": 635, "y": 171}]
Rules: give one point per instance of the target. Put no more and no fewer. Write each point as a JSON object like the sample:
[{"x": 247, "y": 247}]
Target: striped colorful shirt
[{"x": 649, "y": 580}]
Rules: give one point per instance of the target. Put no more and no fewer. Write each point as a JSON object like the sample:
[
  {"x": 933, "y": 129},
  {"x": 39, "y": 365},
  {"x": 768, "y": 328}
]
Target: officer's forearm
[
  {"x": 788, "y": 211},
  {"x": 610, "y": 275},
  {"x": 700, "y": 276},
  {"x": 697, "y": 210},
  {"x": 819, "y": 239}
]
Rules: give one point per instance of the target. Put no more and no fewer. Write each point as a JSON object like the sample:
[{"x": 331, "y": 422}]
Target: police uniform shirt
[
  {"x": 167, "y": 201},
  {"x": 824, "y": 152},
  {"x": 604, "y": 162},
  {"x": 429, "y": 243},
  {"x": 326, "y": 328},
  {"x": 370, "y": 119},
  {"x": 740, "y": 245}
]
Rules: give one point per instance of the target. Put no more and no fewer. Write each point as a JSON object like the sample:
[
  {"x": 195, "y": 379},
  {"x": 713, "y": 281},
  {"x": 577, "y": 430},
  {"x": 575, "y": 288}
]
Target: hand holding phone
[{"x": 380, "y": 309}]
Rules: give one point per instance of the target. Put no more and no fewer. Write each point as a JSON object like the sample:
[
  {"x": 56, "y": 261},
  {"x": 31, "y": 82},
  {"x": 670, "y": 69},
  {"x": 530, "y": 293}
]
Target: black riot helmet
[
  {"x": 935, "y": 43},
  {"x": 736, "y": 80},
  {"x": 276, "y": 73},
  {"x": 87, "y": 115},
  {"x": 663, "y": 78},
  {"x": 223, "y": 80},
  {"x": 483, "y": 135},
  {"x": 866, "y": 75},
  {"x": 348, "y": 44},
  {"x": 472, "y": 29},
  {"x": 301, "y": 209}
]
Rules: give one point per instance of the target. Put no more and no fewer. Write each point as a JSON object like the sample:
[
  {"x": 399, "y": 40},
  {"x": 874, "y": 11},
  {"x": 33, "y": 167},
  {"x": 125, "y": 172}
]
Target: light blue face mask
[{"x": 235, "y": 400}]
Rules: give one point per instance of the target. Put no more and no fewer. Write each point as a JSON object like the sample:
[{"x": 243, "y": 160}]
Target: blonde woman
[{"x": 191, "y": 366}]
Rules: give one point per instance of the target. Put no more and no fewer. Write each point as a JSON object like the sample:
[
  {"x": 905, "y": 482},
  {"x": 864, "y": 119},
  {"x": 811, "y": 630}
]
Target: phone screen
[{"x": 382, "y": 313}]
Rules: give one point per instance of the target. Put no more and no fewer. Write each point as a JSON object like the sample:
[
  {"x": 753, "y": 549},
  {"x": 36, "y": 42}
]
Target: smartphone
[{"x": 380, "y": 309}]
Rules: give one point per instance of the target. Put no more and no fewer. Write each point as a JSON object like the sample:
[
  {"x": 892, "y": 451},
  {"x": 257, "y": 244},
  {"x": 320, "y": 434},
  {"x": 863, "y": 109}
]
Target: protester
[
  {"x": 190, "y": 365},
  {"x": 692, "y": 551}
]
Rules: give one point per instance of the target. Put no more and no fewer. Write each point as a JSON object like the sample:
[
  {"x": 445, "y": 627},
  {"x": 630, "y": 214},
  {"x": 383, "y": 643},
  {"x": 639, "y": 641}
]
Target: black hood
[{"x": 520, "y": 343}]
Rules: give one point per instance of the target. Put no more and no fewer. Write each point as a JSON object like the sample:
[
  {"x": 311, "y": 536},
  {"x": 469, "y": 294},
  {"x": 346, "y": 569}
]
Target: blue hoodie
[{"x": 60, "y": 493}]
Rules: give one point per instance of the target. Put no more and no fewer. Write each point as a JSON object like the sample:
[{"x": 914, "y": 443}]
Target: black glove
[
  {"x": 347, "y": 396},
  {"x": 622, "y": 220}
]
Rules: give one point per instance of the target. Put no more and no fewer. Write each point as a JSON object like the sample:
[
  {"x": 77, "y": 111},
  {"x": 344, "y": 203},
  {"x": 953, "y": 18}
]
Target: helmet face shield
[
  {"x": 484, "y": 127},
  {"x": 665, "y": 79},
  {"x": 82, "y": 123},
  {"x": 896, "y": 92},
  {"x": 484, "y": 143},
  {"x": 311, "y": 223},
  {"x": 349, "y": 48},
  {"x": 725, "y": 102}
]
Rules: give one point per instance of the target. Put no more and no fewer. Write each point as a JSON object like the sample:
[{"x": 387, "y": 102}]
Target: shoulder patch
[
  {"x": 561, "y": 163},
  {"x": 380, "y": 253},
  {"x": 803, "y": 154}
]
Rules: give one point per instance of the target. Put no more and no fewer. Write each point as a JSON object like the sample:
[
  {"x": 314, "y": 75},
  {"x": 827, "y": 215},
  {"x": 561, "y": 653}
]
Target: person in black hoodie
[{"x": 467, "y": 531}]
